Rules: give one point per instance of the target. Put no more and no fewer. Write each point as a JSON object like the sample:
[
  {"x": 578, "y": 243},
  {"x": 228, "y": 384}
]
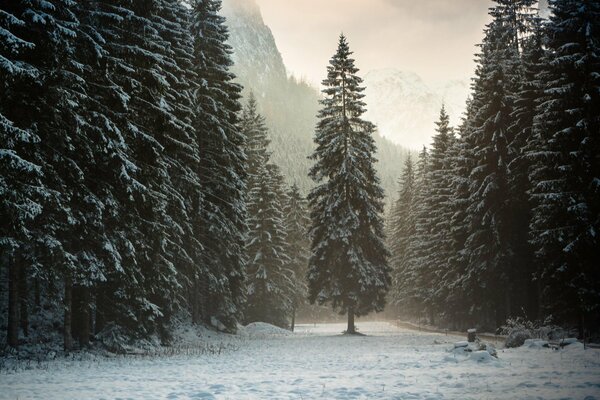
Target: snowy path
[{"x": 318, "y": 363}]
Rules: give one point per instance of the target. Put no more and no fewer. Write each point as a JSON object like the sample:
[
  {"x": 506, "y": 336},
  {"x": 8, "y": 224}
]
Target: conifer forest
[{"x": 165, "y": 181}]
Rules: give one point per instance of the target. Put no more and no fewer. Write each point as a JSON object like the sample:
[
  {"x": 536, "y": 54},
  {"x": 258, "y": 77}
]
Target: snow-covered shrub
[
  {"x": 516, "y": 338},
  {"x": 519, "y": 329}
]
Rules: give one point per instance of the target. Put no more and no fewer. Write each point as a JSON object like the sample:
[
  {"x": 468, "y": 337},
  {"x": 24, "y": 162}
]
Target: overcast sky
[{"x": 434, "y": 38}]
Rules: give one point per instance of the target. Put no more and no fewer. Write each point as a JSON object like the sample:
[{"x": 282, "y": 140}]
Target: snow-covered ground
[{"x": 318, "y": 363}]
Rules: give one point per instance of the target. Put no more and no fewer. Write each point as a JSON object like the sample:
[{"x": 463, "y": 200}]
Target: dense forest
[
  {"x": 500, "y": 216},
  {"x": 138, "y": 187},
  {"x": 133, "y": 187}
]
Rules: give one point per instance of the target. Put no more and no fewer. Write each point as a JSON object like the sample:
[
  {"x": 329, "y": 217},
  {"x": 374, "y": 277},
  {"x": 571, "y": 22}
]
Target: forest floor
[{"x": 317, "y": 362}]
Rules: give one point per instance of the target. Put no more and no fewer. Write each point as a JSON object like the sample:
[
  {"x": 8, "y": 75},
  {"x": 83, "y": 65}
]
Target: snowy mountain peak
[
  {"x": 255, "y": 54},
  {"x": 405, "y": 107}
]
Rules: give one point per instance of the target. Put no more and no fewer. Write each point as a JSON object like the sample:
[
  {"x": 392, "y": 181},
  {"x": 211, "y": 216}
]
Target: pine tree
[
  {"x": 21, "y": 188},
  {"x": 526, "y": 101},
  {"x": 58, "y": 251},
  {"x": 462, "y": 161},
  {"x": 401, "y": 231},
  {"x": 257, "y": 136},
  {"x": 487, "y": 281},
  {"x": 270, "y": 279},
  {"x": 297, "y": 225},
  {"x": 270, "y": 284},
  {"x": 439, "y": 191},
  {"x": 565, "y": 222},
  {"x": 417, "y": 288},
  {"x": 222, "y": 169},
  {"x": 348, "y": 267}
]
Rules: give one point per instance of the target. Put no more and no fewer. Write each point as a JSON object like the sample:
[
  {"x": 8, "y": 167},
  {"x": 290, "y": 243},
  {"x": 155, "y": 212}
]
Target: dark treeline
[
  {"x": 503, "y": 219},
  {"x": 132, "y": 185}
]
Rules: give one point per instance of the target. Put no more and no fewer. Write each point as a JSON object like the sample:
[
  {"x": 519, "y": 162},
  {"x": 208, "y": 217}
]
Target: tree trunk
[
  {"x": 540, "y": 302},
  {"x": 36, "y": 293},
  {"x": 23, "y": 303},
  {"x": 293, "y": 318},
  {"x": 194, "y": 300},
  {"x": 68, "y": 305},
  {"x": 99, "y": 313},
  {"x": 351, "y": 329},
  {"x": 84, "y": 317},
  {"x": 13, "y": 304}
]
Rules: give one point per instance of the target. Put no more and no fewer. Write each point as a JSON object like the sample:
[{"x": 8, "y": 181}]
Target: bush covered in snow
[{"x": 519, "y": 330}]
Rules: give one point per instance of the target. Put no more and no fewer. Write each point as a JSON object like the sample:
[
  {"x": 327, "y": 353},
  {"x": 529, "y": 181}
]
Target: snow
[
  {"x": 319, "y": 362},
  {"x": 263, "y": 329}
]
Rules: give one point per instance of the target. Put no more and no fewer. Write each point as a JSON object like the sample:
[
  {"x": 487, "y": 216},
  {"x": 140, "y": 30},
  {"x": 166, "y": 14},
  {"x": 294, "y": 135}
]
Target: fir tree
[
  {"x": 222, "y": 169},
  {"x": 348, "y": 267},
  {"x": 21, "y": 188},
  {"x": 526, "y": 100},
  {"x": 257, "y": 140},
  {"x": 417, "y": 288},
  {"x": 487, "y": 247},
  {"x": 565, "y": 222},
  {"x": 401, "y": 231},
  {"x": 270, "y": 279},
  {"x": 439, "y": 191},
  {"x": 297, "y": 224},
  {"x": 270, "y": 286}
]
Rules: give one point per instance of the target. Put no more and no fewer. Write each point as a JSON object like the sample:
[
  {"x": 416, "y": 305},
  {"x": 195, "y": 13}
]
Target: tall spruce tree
[
  {"x": 565, "y": 176},
  {"x": 348, "y": 267},
  {"x": 222, "y": 221},
  {"x": 21, "y": 187},
  {"x": 487, "y": 281},
  {"x": 439, "y": 191},
  {"x": 297, "y": 224},
  {"x": 526, "y": 100},
  {"x": 58, "y": 253},
  {"x": 269, "y": 275},
  {"x": 401, "y": 231},
  {"x": 270, "y": 279},
  {"x": 417, "y": 288}
]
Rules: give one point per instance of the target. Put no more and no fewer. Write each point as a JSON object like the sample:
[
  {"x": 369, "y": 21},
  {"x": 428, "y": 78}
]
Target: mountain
[
  {"x": 405, "y": 108},
  {"x": 289, "y": 105}
]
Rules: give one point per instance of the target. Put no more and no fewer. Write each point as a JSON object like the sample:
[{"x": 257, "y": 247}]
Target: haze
[{"x": 434, "y": 38}]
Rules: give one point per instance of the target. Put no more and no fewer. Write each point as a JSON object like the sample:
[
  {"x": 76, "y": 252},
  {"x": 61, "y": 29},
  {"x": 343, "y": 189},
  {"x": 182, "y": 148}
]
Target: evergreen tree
[
  {"x": 297, "y": 224},
  {"x": 257, "y": 137},
  {"x": 526, "y": 100},
  {"x": 70, "y": 211},
  {"x": 439, "y": 191},
  {"x": 401, "y": 231},
  {"x": 270, "y": 279},
  {"x": 565, "y": 221},
  {"x": 417, "y": 288},
  {"x": 348, "y": 267},
  {"x": 487, "y": 281},
  {"x": 270, "y": 286},
  {"x": 21, "y": 188},
  {"x": 222, "y": 169}
]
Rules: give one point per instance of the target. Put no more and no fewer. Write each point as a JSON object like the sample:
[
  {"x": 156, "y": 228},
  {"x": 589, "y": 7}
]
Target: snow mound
[
  {"x": 536, "y": 343},
  {"x": 481, "y": 356},
  {"x": 568, "y": 341},
  {"x": 468, "y": 350},
  {"x": 462, "y": 344},
  {"x": 264, "y": 329}
]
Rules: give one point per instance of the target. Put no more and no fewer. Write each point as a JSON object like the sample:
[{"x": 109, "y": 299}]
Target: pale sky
[{"x": 433, "y": 38}]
